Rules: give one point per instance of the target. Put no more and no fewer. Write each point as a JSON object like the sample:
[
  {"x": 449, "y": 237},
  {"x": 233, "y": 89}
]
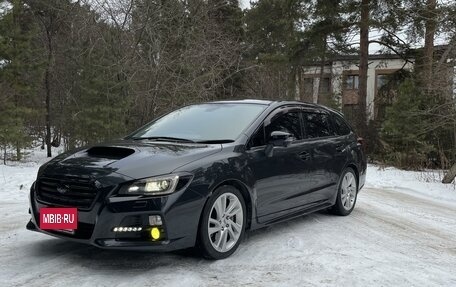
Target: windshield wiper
[
  {"x": 216, "y": 141},
  {"x": 164, "y": 139}
]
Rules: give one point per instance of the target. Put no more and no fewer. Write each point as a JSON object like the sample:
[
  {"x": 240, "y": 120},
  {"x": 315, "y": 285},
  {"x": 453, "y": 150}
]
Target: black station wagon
[{"x": 203, "y": 175}]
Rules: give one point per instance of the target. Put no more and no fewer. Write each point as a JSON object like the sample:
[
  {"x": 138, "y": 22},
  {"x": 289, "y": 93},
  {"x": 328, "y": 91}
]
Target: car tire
[
  {"x": 347, "y": 193},
  {"x": 223, "y": 223}
]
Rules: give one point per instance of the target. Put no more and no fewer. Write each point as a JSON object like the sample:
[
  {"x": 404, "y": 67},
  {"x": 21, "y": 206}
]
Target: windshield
[{"x": 206, "y": 122}]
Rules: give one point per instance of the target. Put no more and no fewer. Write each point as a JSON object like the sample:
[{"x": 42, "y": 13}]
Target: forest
[{"x": 74, "y": 73}]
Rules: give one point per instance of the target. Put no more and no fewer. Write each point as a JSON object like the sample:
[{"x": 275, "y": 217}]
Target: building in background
[{"x": 339, "y": 79}]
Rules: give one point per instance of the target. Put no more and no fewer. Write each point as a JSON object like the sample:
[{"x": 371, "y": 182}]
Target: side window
[
  {"x": 258, "y": 139},
  {"x": 341, "y": 128},
  {"x": 316, "y": 125},
  {"x": 289, "y": 122}
]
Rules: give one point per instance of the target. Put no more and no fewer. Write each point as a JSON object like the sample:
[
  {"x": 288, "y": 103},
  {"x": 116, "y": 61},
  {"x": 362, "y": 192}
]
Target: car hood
[{"x": 132, "y": 159}]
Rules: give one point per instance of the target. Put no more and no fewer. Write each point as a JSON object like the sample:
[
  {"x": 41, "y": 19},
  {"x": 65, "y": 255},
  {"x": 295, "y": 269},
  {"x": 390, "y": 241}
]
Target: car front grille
[{"x": 66, "y": 191}]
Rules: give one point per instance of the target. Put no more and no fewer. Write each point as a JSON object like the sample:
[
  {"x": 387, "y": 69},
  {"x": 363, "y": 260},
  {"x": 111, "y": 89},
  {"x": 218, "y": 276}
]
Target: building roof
[
  {"x": 411, "y": 54},
  {"x": 371, "y": 57}
]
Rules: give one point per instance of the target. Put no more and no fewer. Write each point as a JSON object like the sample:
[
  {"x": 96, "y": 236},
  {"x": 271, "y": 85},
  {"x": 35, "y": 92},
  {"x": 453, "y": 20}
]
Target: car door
[
  {"x": 326, "y": 152},
  {"x": 282, "y": 180}
]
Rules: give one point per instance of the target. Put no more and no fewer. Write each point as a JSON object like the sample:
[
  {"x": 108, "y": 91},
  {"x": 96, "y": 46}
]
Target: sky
[{"x": 244, "y": 4}]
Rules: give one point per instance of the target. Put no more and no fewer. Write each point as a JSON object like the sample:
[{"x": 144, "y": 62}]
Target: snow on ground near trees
[
  {"x": 427, "y": 184},
  {"x": 402, "y": 233}
]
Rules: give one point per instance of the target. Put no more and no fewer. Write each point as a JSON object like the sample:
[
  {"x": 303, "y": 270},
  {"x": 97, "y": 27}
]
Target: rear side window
[
  {"x": 340, "y": 126},
  {"x": 316, "y": 125},
  {"x": 289, "y": 122}
]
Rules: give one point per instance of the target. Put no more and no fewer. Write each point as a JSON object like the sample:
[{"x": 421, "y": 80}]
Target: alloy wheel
[
  {"x": 225, "y": 223},
  {"x": 348, "y": 191}
]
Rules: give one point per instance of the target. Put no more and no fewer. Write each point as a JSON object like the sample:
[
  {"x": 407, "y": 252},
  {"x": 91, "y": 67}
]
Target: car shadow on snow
[
  {"x": 101, "y": 259},
  {"x": 120, "y": 260}
]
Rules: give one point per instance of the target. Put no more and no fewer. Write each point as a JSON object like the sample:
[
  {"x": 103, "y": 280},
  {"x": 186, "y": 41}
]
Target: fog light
[
  {"x": 155, "y": 233},
  {"x": 155, "y": 220}
]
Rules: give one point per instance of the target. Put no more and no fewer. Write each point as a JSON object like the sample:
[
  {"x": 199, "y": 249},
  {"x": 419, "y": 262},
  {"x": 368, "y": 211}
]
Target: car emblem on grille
[
  {"x": 97, "y": 184},
  {"x": 63, "y": 188}
]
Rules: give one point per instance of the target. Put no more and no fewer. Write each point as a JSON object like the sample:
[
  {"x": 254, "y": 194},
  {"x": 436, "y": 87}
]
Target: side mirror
[{"x": 278, "y": 139}]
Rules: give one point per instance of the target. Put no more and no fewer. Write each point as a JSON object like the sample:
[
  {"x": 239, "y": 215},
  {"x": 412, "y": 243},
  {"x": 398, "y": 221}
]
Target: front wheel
[
  {"x": 347, "y": 193},
  {"x": 223, "y": 223}
]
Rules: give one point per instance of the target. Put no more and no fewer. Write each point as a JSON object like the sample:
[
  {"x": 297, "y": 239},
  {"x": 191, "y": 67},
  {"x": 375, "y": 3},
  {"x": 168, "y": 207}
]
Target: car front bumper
[{"x": 179, "y": 212}]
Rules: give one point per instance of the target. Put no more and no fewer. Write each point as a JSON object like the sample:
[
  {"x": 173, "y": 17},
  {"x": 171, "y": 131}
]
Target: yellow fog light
[{"x": 155, "y": 233}]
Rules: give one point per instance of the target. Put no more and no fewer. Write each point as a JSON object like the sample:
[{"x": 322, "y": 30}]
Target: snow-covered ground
[
  {"x": 427, "y": 184},
  {"x": 402, "y": 233}
]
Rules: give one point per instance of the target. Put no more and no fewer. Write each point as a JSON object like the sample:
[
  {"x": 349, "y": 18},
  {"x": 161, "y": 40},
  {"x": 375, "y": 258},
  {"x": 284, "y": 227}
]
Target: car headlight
[{"x": 159, "y": 185}]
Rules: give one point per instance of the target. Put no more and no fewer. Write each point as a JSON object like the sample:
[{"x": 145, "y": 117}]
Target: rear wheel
[
  {"x": 223, "y": 223},
  {"x": 347, "y": 193}
]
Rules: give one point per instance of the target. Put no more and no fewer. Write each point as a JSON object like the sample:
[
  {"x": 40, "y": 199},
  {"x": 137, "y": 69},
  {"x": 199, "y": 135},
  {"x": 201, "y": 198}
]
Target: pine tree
[
  {"x": 275, "y": 37},
  {"x": 100, "y": 113},
  {"x": 228, "y": 17},
  {"x": 405, "y": 147},
  {"x": 326, "y": 36},
  {"x": 19, "y": 73}
]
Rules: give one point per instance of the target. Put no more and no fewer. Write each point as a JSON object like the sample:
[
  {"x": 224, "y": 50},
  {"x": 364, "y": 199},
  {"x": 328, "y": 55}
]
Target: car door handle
[
  {"x": 304, "y": 155},
  {"x": 340, "y": 148}
]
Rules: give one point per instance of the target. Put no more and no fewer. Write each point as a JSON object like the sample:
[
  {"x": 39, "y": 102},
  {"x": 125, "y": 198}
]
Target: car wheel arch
[
  {"x": 243, "y": 189},
  {"x": 355, "y": 169}
]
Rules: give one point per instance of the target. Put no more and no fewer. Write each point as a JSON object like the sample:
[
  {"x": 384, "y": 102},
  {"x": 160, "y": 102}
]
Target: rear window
[{"x": 340, "y": 126}]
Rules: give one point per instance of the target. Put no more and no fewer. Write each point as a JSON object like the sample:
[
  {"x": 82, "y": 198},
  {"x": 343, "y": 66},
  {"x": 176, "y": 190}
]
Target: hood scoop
[{"x": 110, "y": 152}]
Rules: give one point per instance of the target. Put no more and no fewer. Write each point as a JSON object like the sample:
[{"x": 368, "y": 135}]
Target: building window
[
  {"x": 382, "y": 80},
  {"x": 308, "y": 86},
  {"x": 351, "y": 82},
  {"x": 325, "y": 85},
  {"x": 384, "y": 94},
  {"x": 306, "y": 89}
]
